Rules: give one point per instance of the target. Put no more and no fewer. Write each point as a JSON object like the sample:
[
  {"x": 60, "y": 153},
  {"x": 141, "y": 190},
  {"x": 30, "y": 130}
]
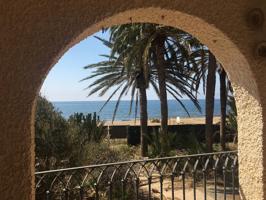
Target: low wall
[
  {"x": 117, "y": 132},
  {"x": 132, "y": 133}
]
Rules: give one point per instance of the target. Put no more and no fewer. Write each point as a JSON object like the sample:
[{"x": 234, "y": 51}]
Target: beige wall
[{"x": 35, "y": 34}]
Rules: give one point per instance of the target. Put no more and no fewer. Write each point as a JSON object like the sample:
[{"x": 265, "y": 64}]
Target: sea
[{"x": 68, "y": 108}]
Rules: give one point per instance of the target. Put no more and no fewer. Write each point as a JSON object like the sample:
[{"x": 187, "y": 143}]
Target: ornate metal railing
[{"x": 201, "y": 176}]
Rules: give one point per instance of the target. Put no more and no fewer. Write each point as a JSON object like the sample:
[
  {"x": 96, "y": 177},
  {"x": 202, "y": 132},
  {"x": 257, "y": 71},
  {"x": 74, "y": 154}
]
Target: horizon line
[{"x": 116, "y": 100}]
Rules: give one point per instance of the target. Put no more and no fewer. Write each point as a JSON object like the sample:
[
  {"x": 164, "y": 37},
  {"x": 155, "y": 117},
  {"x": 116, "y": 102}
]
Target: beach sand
[{"x": 171, "y": 121}]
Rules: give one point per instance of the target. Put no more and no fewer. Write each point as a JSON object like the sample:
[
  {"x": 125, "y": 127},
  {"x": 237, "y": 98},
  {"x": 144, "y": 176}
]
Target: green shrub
[
  {"x": 88, "y": 127},
  {"x": 173, "y": 143},
  {"x": 188, "y": 143},
  {"x": 60, "y": 142},
  {"x": 52, "y": 144},
  {"x": 99, "y": 153},
  {"x": 160, "y": 144}
]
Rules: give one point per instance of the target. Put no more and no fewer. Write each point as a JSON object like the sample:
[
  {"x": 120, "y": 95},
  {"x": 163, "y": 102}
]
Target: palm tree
[
  {"x": 160, "y": 66},
  {"x": 111, "y": 74},
  {"x": 133, "y": 61},
  {"x": 207, "y": 65},
  {"x": 142, "y": 86},
  {"x": 162, "y": 49},
  {"x": 210, "y": 94},
  {"x": 203, "y": 66},
  {"x": 223, "y": 100}
]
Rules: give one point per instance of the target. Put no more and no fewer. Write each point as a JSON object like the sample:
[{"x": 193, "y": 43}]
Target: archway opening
[
  {"x": 186, "y": 40},
  {"x": 35, "y": 35}
]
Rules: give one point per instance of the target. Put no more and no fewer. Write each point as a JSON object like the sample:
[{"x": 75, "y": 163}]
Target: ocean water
[{"x": 174, "y": 109}]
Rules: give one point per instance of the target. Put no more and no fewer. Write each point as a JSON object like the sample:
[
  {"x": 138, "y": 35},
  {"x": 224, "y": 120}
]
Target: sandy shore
[{"x": 171, "y": 121}]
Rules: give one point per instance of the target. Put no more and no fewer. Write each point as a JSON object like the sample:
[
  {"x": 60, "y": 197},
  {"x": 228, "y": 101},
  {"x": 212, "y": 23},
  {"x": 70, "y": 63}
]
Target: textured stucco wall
[{"x": 34, "y": 34}]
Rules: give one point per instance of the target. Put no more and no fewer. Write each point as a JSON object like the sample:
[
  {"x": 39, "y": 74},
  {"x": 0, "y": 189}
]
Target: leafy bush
[
  {"x": 52, "y": 144},
  {"x": 87, "y": 127},
  {"x": 173, "y": 143},
  {"x": 188, "y": 143},
  {"x": 60, "y": 142},
  {"x": 74, "y": 142},
  {"x": 161, "y": 144},
  {"x": 98, "y": 153}
]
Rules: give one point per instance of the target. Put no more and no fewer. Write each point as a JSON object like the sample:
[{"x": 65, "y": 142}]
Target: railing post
[
  {"x": 194, "y": 184},
  {"x": 215, "y": 181},
  {"x": 204, "y": 184},
  {"x": 161, "y": 187},
  {"x": 96, "y": 191},
  {"x": 66, "y": 195},
  {"x": 173, "y": 185},
  {"x": 110, "y": 193},
  {"x": 233, "y": 182},
  {"x": 137, "y": 187},
  {"x": 184, "y": 185},
  {"x": 48, "y": 195},
  {"x": 149, "y": 186},
  {"x": 81, "y": 193},
  {"x": 123, "y": 189},
  {"x": 224, "y": 180}
]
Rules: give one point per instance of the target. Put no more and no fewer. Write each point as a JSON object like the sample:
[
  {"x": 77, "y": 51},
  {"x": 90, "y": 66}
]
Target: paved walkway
[{"x": 167, "y": 191}]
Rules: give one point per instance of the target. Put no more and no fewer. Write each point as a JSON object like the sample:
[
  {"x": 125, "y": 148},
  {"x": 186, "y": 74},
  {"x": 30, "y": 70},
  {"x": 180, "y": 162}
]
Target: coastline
[{"x": 171, "y": 121}]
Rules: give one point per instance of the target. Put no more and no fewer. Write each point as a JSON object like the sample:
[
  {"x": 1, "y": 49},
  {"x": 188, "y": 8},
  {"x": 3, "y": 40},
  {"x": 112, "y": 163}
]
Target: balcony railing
[{"x": 201, "y": 176}]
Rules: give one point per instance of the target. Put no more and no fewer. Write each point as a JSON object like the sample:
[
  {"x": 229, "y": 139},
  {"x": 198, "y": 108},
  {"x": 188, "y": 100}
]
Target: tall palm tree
[
  {"x": 206, "y": 74},
  {"x": 206, "y": 67},
  {"x": 133, "y": 60},
  {"x": 223, "y": 98},
  {"x": 226, "y": 99},
  {"x": 203, "y": 64},
  {"x": 112, "y": 73},
  {"x": 142, "y": 86},
  {"x": 210, "y": 97},
  {"x": 160, "y": 66},
  {"x": 162, "y": 49}
]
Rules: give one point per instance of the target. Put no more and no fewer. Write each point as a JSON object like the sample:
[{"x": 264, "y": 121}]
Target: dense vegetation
[
  {"x": 76, "y": 141},
  {"x": 170, "y": 61},
  {"x": 82, "y": 140}
]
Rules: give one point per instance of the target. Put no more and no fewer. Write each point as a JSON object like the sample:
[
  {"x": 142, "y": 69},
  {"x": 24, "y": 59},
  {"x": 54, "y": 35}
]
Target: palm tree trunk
[
  {"x": 162, "y": 83},
  {"x": 210, "y": 92},
  {"x": 223, "y": 107},
  {"x": 143, "y": 118}
]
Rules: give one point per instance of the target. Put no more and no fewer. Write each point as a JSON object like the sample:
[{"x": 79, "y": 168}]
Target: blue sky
[{"x": 63, "y": 81}]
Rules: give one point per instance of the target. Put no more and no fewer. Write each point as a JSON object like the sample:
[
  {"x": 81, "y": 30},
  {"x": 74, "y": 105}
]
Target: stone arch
[{"x": 219, "y": 25}]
